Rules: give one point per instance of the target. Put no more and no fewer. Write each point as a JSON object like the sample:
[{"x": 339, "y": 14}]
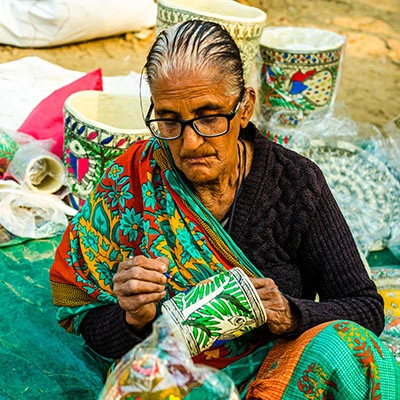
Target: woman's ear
[{"x": 248, "y": 103}]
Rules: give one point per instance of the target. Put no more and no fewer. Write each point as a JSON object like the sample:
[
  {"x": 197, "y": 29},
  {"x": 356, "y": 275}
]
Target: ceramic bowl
[
  {"x": 244, "y": 23},
  {"x": 97, "y": 128},
  {"x": 300, "y": 73}
]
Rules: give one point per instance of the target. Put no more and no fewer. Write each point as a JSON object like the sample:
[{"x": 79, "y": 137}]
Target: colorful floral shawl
[{"x": 142, "y": 207}]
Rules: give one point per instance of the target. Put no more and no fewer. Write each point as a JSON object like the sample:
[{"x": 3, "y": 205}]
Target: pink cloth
[{"x": 46, "y": 120}]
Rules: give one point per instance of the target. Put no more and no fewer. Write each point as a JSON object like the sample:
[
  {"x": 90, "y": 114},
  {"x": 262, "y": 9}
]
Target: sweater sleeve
[
  {"x": 332, "y": 264},
  {"x": 107, "y": 333}
]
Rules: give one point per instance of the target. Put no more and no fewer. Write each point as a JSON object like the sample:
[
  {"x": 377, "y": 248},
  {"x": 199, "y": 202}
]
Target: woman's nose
[{"x": 190, "y": 138}]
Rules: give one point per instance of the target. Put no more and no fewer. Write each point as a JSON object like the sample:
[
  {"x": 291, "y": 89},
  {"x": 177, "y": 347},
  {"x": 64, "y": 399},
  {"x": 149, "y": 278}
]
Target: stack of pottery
[
  {"x": 299, "y": 77},
  {"x": 97, "y": 128},
  {"x": 244, "y": 23}
]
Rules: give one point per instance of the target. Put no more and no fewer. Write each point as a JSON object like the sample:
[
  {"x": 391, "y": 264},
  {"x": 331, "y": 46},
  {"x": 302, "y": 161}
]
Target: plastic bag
[
  {"x": 364, "y": 187},
  {"x": 10, "y": 142},
  {"x": 391, "y": 144},
  {"x": 160, "y": 368},
  {"x": 30, "y": 214},
  {"x": 37, "y": 168}
]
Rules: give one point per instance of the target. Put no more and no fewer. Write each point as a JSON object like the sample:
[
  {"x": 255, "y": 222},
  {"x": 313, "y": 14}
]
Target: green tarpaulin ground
[{"x": 39, "y": 360}]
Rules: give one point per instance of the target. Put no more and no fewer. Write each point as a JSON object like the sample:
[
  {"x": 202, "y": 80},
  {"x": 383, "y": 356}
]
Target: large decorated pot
[
  {"x": 97, "y": 128},
  {"x": 300, "y": 73},
  {"x": 244, "y": 23}
]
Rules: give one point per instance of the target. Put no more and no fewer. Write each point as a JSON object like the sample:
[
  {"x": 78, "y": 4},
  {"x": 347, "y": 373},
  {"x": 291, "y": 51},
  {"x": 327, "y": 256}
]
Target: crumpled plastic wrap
[
  {"x": 391, "y": 145},
  {"x": 37, "y": 169},
  {"x": 361, "y": 179},
  {"x": 30, "y": 214},
  {"x": 10, "y": 142},
  {"x": 160, "y": 368}
]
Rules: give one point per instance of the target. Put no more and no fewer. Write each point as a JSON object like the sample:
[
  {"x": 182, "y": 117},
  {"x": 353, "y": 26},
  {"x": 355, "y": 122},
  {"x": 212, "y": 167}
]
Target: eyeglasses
[{"x": 206, "y": 126}]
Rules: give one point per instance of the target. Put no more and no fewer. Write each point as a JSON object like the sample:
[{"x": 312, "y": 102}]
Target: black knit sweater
[{"x": 288, "y": 224}]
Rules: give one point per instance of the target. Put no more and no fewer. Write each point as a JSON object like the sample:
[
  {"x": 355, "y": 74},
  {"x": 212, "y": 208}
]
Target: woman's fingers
[
  {"x": 139, "y": 284},
  {"x": 142, "y": 269},
  {"x": 133, "y": 304},
  {"x": 139, "y": 274},
  {"x": 280, "y": 318},
  {"x": 136, "y": 287}
]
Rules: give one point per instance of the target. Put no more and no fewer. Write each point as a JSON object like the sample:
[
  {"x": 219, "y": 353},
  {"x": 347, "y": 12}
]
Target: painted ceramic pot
[
  {"x": 300, "y": 73},
  {"x": 97, "y": 128},
  {"x": 218, "y": 309},
  {"x": 244, "y": 23}
]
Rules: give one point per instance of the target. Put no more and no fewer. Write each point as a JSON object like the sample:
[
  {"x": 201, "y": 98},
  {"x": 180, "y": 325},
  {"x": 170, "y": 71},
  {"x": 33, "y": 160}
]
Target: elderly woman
[{"x": 208, "y": 193}]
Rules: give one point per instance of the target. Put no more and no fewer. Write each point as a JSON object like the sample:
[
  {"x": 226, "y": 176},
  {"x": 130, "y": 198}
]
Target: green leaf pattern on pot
[{"x": 224, "y": 311}]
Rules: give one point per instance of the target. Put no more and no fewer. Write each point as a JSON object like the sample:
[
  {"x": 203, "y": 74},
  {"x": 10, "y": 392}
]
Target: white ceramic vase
[
  {"x": 97, "y": 128},
  {"x": 244, "y": 23}
]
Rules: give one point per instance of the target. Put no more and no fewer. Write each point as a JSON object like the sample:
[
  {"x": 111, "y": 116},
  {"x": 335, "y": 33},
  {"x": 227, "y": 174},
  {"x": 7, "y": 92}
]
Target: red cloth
[{"x": 46, "y": 120}]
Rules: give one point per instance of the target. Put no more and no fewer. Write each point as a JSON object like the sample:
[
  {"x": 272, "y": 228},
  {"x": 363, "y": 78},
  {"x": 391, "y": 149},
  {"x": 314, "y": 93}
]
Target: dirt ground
[{"x": 370, "y": 84}]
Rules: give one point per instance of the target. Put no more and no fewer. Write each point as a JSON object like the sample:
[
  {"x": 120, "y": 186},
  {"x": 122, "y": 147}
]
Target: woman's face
[{"x": 202, "y": 160}]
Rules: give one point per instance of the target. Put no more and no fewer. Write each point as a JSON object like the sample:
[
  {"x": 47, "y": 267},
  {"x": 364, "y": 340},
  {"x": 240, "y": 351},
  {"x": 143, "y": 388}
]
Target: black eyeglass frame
[{"x": 190, "y": 122}]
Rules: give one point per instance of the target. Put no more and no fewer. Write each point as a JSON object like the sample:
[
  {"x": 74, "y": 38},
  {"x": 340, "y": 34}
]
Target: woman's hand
[
  {"x": 139, "y": 285},
  {"x": 280, "y": 317}
]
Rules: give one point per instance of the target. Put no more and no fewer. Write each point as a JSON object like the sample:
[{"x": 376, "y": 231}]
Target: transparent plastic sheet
[
  {"x": 37, "y": 168},
  {"x": 30, "y": 214},
  {"x": 38, "y": 359},
  {"x": 391, "y": 144},
  {"x": 160, "y": 368},
  {"x": 10, "y": 143},
  {"x": 363, "y": 185},
  {"x": 336, "y": 124}
]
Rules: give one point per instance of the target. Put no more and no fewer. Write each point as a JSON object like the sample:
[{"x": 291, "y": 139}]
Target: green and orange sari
[{"x": 142, "y": 206}]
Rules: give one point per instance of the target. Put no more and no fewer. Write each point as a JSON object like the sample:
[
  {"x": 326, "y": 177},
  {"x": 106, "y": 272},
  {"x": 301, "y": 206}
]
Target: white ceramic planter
[{"x": 244, "y": 23}]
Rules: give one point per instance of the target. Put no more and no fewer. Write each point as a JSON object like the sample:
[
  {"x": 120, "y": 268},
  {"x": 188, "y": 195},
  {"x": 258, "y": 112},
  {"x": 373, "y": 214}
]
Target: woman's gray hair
[{"x": 196, "y": 46}]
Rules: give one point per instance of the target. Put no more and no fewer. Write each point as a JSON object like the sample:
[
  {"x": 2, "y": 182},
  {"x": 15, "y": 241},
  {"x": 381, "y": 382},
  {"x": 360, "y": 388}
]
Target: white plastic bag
[
  {"x": 37, "y": 169},
  {"x": 29, "y": 214},
  {"x": 44, "y": 23}
]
